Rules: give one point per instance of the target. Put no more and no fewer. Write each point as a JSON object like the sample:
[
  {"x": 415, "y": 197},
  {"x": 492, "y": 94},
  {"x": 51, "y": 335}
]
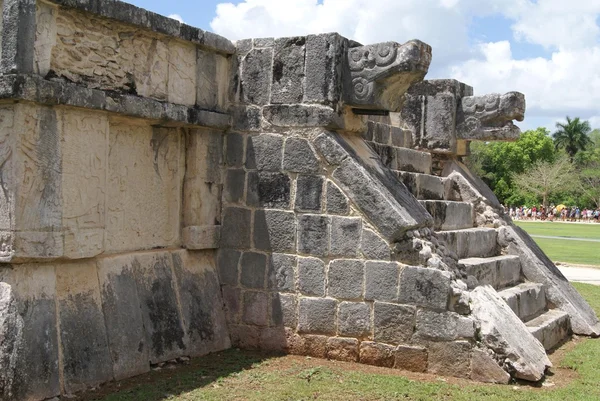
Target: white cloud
[
  {"x": 177, "y": 17},
  {"x": 565, "y": 82}
]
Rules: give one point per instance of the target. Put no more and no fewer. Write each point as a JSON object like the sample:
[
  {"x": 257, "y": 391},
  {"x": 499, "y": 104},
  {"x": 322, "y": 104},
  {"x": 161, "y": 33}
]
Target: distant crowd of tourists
[{"x": 555, "y": 213}]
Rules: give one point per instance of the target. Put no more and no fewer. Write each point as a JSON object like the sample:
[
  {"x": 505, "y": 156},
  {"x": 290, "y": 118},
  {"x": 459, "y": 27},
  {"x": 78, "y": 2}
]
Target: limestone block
[
  {"x": 343, "y": 349},
  {"x": 271, "y": 190},
  {"x": 45, "y": 37},
  {"x": 234, "y": 186},
  {"x": 354, "y": 319},
  {"x": 255, "y": 307},
  {"x": 445, "y": 326},
  {"x": 228, "y": 266},
  {"x": 282, "y": 272},
  {"x": 393, "y": 324},
  {"x": 313, "y": 233},
  {"x": 448, "y": 215},
  {"x": 161, "y": 313},
  {"x": 201, "y": 303},
  {"x": 317, "y": 315},
  {"x": 19, "y": 21},
  {"x": 501, "y": 330},
  {"x": 299, "y": 157},
  {"x": 28, "y": 332},
  {"x": 345, "y": 236},
  {"x": 146, "y": 169},
  {"x": 182, "y": 73},
  {"x": 236, "y": 228},
  {"x": 84, "y": 343},
  {"x": 283, "y": 307},
  {"x": 288, "y": 70},
  {"x": 232, "y": 303},
  {"x": 212, "y": 81},
  {"x": 309, "y": 191},
  {"x": 373, "y": 246},
  {"x": 202, "y": 185},
  {"x": 311, "y": 276},
  {"x": 264, "y": 152},
  {"x": 84, "y": 143},
  {"x": 337, "y": 203},
  {"x": 110, "y": 55},
  {"x": 124, "y": 322},
  {"x": 425, "y": 287},
  {"x": 254, "y": 270},
  {"x": 201, "y": 237},
  {"x": 377, "y": 354},
  {"x": 274, "y": 230},
  {"x": 382, "y": 281},
  {"x": 550, "y": 328},
  {"x": 409, "y": 358},
  {"x": 234, "y": 151},
  {"x": 256, "y": 76},
  {"x": 345, "y": 279},
  {"x": 450, "y": 358},
  {"x": 324, "y": 53}
]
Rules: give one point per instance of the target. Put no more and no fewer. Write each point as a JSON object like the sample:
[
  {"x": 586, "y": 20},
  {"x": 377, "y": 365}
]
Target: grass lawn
[
  {"x": 241, "y": 375},
  {"x": 590, "y": 231},
  {"x": 568, "y": 251}
]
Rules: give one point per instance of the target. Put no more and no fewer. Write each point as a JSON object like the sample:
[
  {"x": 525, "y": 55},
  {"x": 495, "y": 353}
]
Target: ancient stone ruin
[{"x": 167, "y": 193}]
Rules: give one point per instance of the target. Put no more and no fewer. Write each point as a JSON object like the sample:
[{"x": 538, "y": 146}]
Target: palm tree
[{"x": 572, "y": 136}]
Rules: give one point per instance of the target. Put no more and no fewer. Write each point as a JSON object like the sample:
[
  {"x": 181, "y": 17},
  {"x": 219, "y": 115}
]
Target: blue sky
[{"x": 547, "y": 49}]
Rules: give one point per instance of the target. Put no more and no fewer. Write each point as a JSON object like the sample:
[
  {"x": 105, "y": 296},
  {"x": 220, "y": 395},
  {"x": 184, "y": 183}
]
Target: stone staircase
[
  {"x": 475, "y": 248},
  {"x": 478, "y": 254}
]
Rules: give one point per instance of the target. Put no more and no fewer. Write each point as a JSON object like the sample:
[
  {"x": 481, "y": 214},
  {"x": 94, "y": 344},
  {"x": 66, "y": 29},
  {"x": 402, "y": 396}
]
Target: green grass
[
  {"x": 590, "y": 231},
  {"x": 568, "y": 251},
  {"x": 241, "y": 375}
]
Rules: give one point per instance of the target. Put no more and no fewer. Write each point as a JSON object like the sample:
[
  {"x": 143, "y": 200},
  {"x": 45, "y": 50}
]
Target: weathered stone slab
[
  {"x": 288, "y": 70},
  {"x": 425, "y": 287},
  {"x": 274, "y": 230},
  {"x": 450, "y": 358},
  {"x": 311, "y": 276},
  {"x": 473, "y": 242},
  {"x": 445, "y": 326},
  {"x": 317, "y": 315},
  {"x": 373, "y": 246},
  {"x": 309, "y": 191},
  {"x": 163, "y": 323},
  {"x": 256, "y": 76},
  {"x": 409, "y": 358},
  {"x": 343, "y": 349},
  {"x": 123, "y": 317},
  {"x": 502, "y": 331},
  {"x": 345, "y": 236},
  {"x": 498, "y": 271},
  {"x": 235, "y": 231},
  {"x": 449, "y": 215},
  {"x": 550, "y": 328},
  {"x": 201, "y": 237},
  {"x": 255, "y": 308},
  {"x": 282, "y": 272},
  {"x": 538, "y": 268},
  {"x": 313, "y": 234},
  {"x": 299, "y": 157},
  {"x": 145, "y": 177},
  {"x": 28, "y": 333},
  {"x": 527, "y": 300},
  {"x": 393, "y": 324},
  {"x": 354, "y": 319},
  {"x": 413, "y": 161},
  {"x": 337, "y": 203},
  {"x": 345, "y": 279},
  {"x": 382, "y": 281},
  {"x": 201, "y": 302},
  {"x": 372, "y": 187},
  {"x": 254, "y": 270},
  {"x": 84, "y": 343}
]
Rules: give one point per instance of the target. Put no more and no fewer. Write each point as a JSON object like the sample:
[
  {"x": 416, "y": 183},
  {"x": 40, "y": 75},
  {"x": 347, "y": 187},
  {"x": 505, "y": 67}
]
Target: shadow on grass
[{"x": 179, "y": 379}]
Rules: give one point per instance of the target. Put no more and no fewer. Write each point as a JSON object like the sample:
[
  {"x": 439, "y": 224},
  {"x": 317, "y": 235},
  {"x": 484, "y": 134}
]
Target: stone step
[
  {"x": 449, "y": 215},
  {"x": 413, "y": 161},
  {"x": 498, "y": 271},
  {"x": 550, "y": 328},
  {"x": 425, "y": 186},
  {"x": 527, "y": 300},
  {"x": 471, "y": 242}
]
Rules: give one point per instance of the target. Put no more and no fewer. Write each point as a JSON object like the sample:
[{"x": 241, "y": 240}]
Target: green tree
[
  {"x": 572, "y": 136},
  {"x": 497, "y": 162}
]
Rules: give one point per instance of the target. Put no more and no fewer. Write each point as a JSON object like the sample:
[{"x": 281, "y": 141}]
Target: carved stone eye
[
  {"x": 356, "y": 56},
  {"x": 492, "y": 102},
  {"x": 362, "y": 88}
]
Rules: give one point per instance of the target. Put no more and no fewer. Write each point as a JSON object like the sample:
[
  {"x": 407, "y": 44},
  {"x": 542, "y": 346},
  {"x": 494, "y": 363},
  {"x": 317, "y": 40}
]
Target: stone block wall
[{"x": 110, "y": 209}]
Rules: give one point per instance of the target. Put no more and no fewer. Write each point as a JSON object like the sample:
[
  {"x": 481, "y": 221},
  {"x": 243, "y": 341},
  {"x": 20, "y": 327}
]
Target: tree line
[{"x": 543, "y": 168}]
